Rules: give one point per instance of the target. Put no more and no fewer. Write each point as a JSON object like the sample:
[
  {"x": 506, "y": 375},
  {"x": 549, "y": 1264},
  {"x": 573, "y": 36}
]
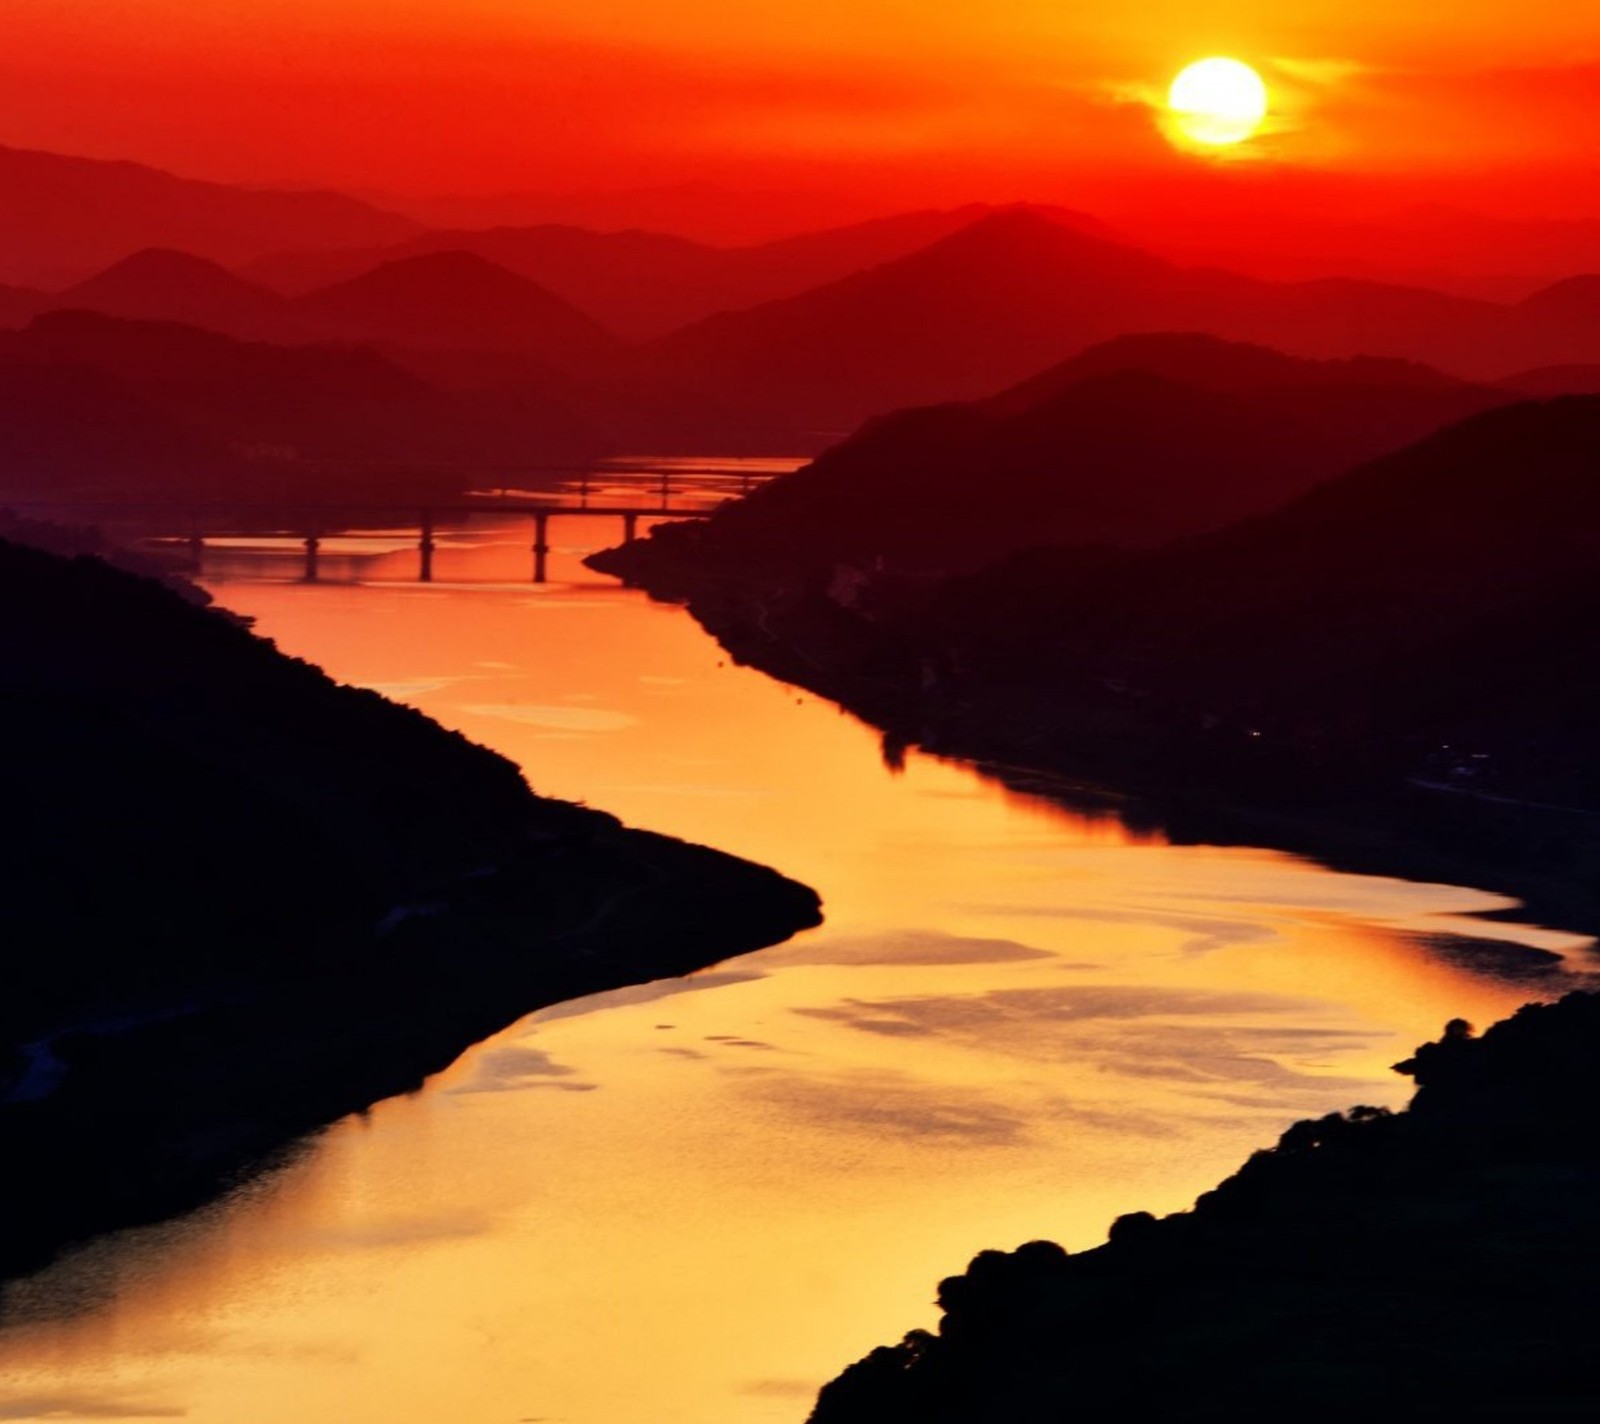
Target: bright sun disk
[{"x": 1217, "y": 101}]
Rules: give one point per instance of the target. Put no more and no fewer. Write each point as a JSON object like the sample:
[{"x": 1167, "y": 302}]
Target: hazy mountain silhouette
[
  {"x": 459, "y": 301},
  {"x": 633, "y": 282},
  {"x": 279, "y": 413},
  {"x": 1562, "y": 320},
  {"x": 1214, "y": 364},
  {"x": 68, "y": 217},
  {"x": 1555, "y": 381},
  {"x": 162, "y": 285},
  {"x": 982, "y": 308},
  {"x": 1133, "y": 442},
  {"x": 642, "y": 284},
  {"x": 19, "y": 304},
  {"x": 1495, "y": 256},
  {"x": 73, "y": 431},
  {"x": 698, "y": 210},
  {"x": 973, "y": 311}
]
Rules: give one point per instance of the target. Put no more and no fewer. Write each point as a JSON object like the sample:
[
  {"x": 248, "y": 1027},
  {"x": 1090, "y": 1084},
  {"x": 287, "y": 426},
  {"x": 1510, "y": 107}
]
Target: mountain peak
[
  {"x": 164, "y": 284},
  {"x": 458, "y": 300},
  {"x": 453, "y": 267},
  {"x": 165, "y": 267},
  {"x": 1216, "y": 364}
]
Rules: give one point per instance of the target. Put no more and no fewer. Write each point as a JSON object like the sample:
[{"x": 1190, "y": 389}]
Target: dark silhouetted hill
[
  {"x": 1423, "y": 624},
  {"x": 71, "y": 541},
  {"x": 1432, "y": 613},
  {"x": 71, "y": 430},
  {"x": 242, "y": 900},
  {"x": 159, "y": 285},
  {"x": 1437, "y": 1262},
  {"x": 266, "y": 416},
  {"x": 461, "y": 302},
  {"x": 68, "y": 217},
  {"x": 1133, "y": 442}
]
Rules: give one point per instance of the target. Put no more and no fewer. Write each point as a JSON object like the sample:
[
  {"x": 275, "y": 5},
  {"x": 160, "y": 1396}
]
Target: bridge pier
[
  {"x": 666, "y": 487},
  {"x": 425, "y": 548},
  {"x": 541, "y": 545},
  {"x": 313, "y": 548},
  {"x": 630, "y": 527},
  {"x": 197, "y": 551}
]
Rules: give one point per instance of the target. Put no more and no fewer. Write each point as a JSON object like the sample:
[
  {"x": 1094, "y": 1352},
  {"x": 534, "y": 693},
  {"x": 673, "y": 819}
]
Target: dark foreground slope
[
  {"x": 240, "y": 900},
  {"x": 1441, "y": 1262}
]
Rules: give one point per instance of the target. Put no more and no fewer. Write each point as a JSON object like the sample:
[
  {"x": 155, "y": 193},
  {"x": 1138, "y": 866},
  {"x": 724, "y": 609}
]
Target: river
[{"x": 693, "y": 1202}]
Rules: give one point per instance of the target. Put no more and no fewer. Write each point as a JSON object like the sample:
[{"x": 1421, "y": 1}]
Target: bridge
[{"x": 192, "y": 522}]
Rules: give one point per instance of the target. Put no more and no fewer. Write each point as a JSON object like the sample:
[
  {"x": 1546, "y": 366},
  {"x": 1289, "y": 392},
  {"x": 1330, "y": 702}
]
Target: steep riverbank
[
  {"x": 245, "y": 900},
  {"x": 1221, "y": 791},
  {"x": 1441, "y": 1259}
]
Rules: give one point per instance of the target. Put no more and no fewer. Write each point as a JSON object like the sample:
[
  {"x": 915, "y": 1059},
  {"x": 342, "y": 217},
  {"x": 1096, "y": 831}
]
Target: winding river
[{"x": 691, "y": 1203}]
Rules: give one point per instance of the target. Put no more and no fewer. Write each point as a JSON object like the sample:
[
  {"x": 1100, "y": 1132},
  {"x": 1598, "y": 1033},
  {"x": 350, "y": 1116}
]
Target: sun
[{"x": 1217, "y": 102}]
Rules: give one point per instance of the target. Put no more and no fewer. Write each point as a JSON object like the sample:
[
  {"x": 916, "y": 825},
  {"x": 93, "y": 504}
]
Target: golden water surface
[{"x": 693, "y": 1202}]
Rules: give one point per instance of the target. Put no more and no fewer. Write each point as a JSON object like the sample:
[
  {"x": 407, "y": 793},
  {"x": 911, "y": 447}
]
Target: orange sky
[{"x": 911, "y": 100}]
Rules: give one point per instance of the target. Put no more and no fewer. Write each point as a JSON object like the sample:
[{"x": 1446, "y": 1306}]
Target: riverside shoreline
[
  {"x": 1354, "y": 818},
  {"x": 244, "y": 901},
  {"x": 139, "y": 1119}
]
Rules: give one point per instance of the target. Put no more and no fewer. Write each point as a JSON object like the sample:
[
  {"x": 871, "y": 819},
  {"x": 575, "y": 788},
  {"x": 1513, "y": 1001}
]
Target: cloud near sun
[{"x": 1231, "y": 110}]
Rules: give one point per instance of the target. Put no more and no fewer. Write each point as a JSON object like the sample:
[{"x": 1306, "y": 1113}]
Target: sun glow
[{"x": 1217, "y": 102}]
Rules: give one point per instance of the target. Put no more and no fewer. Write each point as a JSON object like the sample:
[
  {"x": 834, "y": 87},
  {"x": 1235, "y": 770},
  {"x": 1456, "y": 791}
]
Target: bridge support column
[
  {"x": 313, "y": 548},
  {"x": 425, "y": 548},
  {"x": 666, "y": 487},
  {"x": 630, "y": 527},
  {"x": 197, "y": 552},
  {"x": 541, "y": 546}
]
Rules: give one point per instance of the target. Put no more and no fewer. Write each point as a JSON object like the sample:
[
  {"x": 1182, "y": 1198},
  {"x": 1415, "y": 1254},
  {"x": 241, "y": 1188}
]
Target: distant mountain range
[
  {"x": 643, "y": 284},
  {"x": 104, "y": 407},
  {"x": 784, "y": 346},
  {"x": 982, "y": 308},
  {"x": 1431, "y": 245},
  {"x": 66, "y": 217}
]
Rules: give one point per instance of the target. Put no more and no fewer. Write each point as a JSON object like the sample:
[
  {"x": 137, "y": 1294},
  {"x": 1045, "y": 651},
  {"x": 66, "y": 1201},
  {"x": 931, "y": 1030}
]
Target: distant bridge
[{"x": 194, "y": 522}]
